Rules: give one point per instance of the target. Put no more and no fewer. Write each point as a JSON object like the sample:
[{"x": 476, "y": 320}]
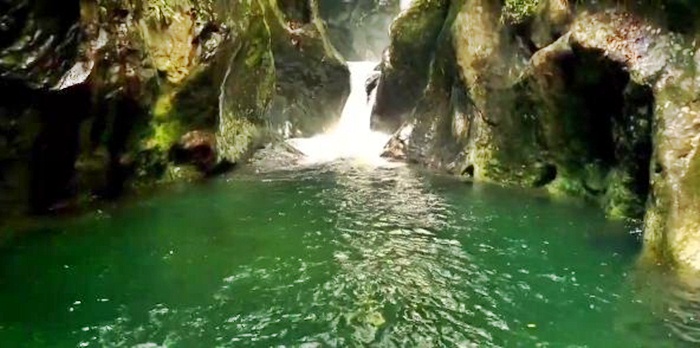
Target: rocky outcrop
[
  {"x": 44, "y": 69},
  {"x": 313, "y": 80},
  {"x": 106, "y": 94},
  {"x": 591, "y": 100},
  {"x": 406, "y": 61}
]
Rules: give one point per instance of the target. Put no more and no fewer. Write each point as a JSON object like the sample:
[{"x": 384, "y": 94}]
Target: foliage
[{"x": 519, "y": 11}]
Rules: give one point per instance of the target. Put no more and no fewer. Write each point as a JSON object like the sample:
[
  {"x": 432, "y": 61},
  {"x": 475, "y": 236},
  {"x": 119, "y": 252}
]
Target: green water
[{"x": 335, "y": 255}]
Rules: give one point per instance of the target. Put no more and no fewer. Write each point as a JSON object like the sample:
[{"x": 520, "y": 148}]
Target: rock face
[
  {"x": 313, "y": 81},
  {"x": 359, "y": 29},
  {"x": 98, "y": 95},
  {"x": 596, "y": 100},
  {"x": 406, "y": 61}
]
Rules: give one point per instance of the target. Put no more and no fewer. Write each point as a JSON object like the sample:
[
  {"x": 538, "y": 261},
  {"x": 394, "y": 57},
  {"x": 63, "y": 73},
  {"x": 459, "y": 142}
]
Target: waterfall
[
  {"x": 351, "y": 137},
  {"x": 405, "y": 4}
]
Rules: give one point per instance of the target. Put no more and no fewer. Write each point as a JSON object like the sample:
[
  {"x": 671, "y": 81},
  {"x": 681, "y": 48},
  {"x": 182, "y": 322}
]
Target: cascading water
[{"x": 352, "y": 136}]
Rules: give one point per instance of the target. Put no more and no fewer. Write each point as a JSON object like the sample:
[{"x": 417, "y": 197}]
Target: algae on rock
[
  {"x": 104, "y": 93},
  {"x": 596, "y": 100}
]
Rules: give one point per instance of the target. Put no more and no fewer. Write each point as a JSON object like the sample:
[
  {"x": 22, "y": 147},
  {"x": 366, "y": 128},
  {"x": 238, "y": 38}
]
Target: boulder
[
  {"x": 406, "y": 62},
  {"x": 313, "y": 81}
]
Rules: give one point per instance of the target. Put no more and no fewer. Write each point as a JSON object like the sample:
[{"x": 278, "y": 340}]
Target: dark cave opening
[
  {"x": 592, "y": 102},
  {"x": 547, "y": 175},
  {"x": 633, "y": 136},
  {"x": 603, "y": 121}
]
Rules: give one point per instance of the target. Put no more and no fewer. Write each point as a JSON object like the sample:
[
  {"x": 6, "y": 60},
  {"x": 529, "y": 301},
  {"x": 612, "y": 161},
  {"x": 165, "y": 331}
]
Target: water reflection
[
  {"x": 674, "y": 302},
  {"x": 397, "y": 271},
  {"x": 343, "y": 254},
  {"x": 380, "y": 273}
]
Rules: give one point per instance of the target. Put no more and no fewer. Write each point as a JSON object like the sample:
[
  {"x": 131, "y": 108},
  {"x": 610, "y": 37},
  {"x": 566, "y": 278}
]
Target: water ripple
[{"x": 342, "y": 254}]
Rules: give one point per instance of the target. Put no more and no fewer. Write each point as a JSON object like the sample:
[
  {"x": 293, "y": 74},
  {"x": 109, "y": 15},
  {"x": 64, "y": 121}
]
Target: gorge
[{"x": 349, "y": 173}]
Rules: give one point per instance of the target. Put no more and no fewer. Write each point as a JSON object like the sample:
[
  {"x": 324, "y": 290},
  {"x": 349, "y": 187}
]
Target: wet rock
[
  {"x": 372, "y": 82},
  {"x": 358, "y": 29},
  {"x": 551, "y": 22},
  {"x": 665, "y": 63},
  {"x": 589, "y": 100},
  {"x": 312, "y": 79},
  {"x": 397, "y": 147},
  {"x": 44, "y": 99},
  {"x": 197, "y": 148},
  {"x": 247, "y": 88},
  {"x": 406, "y": 62}
]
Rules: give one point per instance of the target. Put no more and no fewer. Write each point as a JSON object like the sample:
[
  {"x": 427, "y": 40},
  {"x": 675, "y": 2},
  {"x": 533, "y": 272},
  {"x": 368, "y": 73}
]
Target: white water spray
[
  {"x": 405, "y": 4},
  {"x": 352, "y": 136}
]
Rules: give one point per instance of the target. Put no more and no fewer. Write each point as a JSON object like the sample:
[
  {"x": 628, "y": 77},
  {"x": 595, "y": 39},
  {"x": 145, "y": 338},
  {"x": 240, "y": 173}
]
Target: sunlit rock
[{"x": 588, "y": 100}]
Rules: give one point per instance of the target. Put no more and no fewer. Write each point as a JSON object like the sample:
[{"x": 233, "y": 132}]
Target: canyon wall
[
  {"x": 103, "y": 95},
  {"x": 587, "y": 99}
]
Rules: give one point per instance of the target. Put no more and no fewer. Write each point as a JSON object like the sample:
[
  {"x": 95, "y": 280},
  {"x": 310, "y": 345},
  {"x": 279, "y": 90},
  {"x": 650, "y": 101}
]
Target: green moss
[
  {"x": 620, "y": 201},
  {"x": 163, "y": 106},
  {"x": 567, "y": 187},
  {"x": 237, "y": 138},
  {"x": 519, "y": 11},
  {"x": 415, "y": 31},
  {"x": 166, "y": 125},
  {"x": 165, "y": 135}
]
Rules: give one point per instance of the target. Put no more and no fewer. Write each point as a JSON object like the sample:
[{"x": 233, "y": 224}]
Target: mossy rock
[{"x": 406, "y": 65}]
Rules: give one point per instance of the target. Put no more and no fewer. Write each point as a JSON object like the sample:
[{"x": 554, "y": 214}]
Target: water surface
[{"x": 334, "y": 255}]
